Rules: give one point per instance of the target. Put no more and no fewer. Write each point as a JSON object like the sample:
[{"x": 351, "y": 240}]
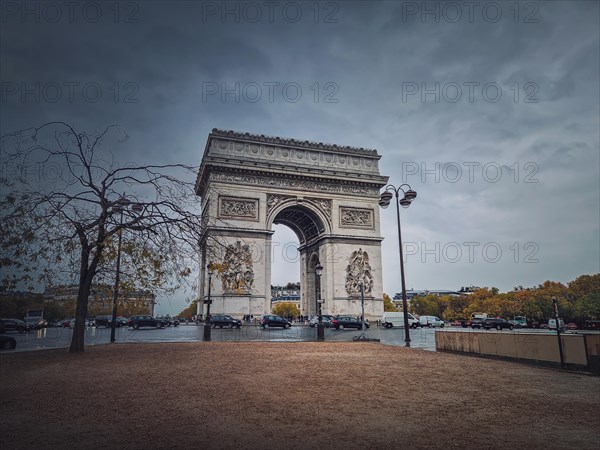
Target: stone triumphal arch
[{"x": 327, "y": 194}]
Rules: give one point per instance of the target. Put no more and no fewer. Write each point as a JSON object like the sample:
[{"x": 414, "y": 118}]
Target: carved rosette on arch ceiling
[
  {"x": 357, "y": 271},
  {"x": 236, "y": 273}
]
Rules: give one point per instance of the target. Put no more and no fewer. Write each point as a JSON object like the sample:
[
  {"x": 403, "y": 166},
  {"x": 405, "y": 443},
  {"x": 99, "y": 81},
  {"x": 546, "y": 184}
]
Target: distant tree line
[
  {"x": 578, "y": 301},
  {"x": 16, "y": 305}
]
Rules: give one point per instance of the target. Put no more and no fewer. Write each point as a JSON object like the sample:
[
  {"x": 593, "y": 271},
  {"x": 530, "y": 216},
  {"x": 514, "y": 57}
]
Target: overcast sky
[{"x": 490, "y": 111}]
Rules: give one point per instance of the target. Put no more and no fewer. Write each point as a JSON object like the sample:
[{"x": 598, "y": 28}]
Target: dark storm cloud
[{"x": 358, "y": 71}]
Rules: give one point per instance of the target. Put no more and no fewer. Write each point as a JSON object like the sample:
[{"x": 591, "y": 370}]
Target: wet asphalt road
[{"x": 49, "y": 338}]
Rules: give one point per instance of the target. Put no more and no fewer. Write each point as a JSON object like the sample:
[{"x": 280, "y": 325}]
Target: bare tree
[{"x": 65, "y": 199}]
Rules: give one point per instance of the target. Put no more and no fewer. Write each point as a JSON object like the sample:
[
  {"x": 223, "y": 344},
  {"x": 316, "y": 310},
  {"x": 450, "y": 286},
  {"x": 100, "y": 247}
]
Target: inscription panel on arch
[
  {"x": 356, "y": 218},
  {"x": 238, "y": 208}
]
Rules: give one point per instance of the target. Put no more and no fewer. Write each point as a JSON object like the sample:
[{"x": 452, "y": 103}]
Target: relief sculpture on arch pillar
[
  {"x": 357, "y": 271},
  {"x": 236, "y": 271}
]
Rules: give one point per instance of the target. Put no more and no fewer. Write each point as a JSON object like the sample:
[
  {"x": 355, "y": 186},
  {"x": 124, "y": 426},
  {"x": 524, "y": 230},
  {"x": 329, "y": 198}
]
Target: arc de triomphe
[{"x": 327, "y": 194}]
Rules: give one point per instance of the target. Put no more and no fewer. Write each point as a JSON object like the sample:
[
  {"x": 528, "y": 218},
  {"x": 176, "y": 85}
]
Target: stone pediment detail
[{"x": 295, "y": 184}]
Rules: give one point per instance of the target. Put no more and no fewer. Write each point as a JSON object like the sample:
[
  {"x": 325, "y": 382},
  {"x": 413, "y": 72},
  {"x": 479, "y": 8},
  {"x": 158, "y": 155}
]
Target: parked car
[
  {"x": 223, "y": 320},
  {"x": 7, "y": 325},
  {"x": 146, "y": 321},
  {"x": 326, "y": 320},
  {"x": 477, "y": 322},
  {"x": 68, "y": 323},
  {"x": 271, "y": 320},
  {"x": 592, "y": 325},
  {"x": 7, "y": 342},
  {"x": 105, "y": 321},
  {"x": 36, "y": 323},
  {"x": 497, "y": 323},
  {"x": 431, "y": 321},
  {"x": 342, "y": 322},
  {"x": 167, "y": 320},
  {"x": 571, "y": 326}
]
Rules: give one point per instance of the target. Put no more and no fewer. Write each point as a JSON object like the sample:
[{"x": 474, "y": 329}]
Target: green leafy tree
[
  {"x": 16, "y": 305},
  {"x": 585, "y": 292},
  {"x": 428, "y": 305},
  {"x": 189, "y": 311},
  {"x": 286, "y": 309},
  {"x": 388, "y": 304},
  {"x": 60, "y": 231}
]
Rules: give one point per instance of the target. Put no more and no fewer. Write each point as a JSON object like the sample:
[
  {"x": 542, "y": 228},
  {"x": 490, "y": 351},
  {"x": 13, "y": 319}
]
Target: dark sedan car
[
  {"x": 497, "y": 323},
  {"x": 7, "y": 342},
  {"x": 271, "y": 320},
  {"x": 348, "y": 322},
  {"x": 106, "y": 321},
  {"x": 477, "y": 322},
  {"x": 13, "y": 325},
  {"x": 223, "y": 320},
  {"x": 146, "y": 321}
]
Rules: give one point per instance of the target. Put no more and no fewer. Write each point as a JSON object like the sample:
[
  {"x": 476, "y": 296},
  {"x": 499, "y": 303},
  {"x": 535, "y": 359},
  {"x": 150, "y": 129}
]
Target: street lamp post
[
  {"x": 122, "y": 204},
  {"x": 207, "y": 302},
  {"x": 560, "y": 347},
  {"x": 408, "y": 196},
  {"x": 320, "y": 328}
]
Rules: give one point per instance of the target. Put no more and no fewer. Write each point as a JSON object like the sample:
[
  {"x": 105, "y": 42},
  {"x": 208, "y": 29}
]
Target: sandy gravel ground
[{"x": 289, "y": 395}]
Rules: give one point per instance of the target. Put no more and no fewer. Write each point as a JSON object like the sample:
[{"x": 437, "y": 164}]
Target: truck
[{"x": 396, "y": 319}]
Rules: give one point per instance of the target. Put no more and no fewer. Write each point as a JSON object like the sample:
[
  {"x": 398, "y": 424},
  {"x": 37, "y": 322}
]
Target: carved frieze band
[
  {"x": 362, "y": 160},
  {"x": 356, "y": 217},
  {"x": 302, "y": 185},
  {"x": 240, "y": 208}
]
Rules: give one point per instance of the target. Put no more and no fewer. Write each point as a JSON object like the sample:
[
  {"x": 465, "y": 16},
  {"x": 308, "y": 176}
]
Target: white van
[
  {"x": 552, "y": 324},
  {"x": 396, "y": 319},
  {"x": 431, "y": 321}
]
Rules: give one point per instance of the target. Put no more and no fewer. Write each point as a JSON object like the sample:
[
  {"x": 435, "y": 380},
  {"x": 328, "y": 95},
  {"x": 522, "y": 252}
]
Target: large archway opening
[
  {"x": 299, "y": 228},
  {"x": 285, "y": 267}
]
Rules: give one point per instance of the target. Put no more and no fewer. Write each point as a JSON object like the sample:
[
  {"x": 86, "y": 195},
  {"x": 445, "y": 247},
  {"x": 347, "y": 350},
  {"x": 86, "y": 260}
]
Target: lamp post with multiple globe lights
[{"x": 408, "y": 196}]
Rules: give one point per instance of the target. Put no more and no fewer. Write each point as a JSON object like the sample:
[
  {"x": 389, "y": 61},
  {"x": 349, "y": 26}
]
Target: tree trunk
[{"x": 85, "y": 284}]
